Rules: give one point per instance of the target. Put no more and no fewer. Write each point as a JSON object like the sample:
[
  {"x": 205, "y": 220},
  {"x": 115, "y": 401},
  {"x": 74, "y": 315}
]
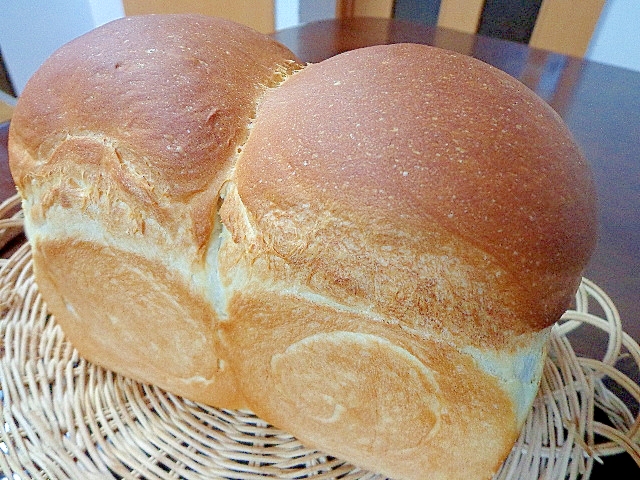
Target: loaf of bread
[{"x": 367, "y": 252}]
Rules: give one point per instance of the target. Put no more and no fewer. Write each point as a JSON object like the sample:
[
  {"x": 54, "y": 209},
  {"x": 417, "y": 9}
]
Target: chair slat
[
  {"x": 461, "y": 15},
  {"x": 564, "y": 26}
]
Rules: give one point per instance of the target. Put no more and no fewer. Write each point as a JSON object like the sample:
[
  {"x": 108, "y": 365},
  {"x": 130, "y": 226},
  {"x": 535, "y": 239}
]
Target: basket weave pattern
[{"x": 65, "y": 418}]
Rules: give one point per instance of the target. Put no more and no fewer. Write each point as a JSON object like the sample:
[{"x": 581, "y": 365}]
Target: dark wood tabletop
[{"x": 599, "y": 103}]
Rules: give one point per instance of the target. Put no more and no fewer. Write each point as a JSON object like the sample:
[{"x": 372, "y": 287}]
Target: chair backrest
[
  {"x": 258, "y": 14},
  {"x": 6, "y": 94},
  {"x": 560, "y": 26},
  {"x": 6, "y": 111}
]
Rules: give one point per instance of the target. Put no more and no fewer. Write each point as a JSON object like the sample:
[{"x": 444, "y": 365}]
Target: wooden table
[{"x": 600, "y": 104}]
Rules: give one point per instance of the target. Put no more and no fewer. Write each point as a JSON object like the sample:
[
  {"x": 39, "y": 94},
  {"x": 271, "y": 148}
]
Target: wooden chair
[
  {"x": 6, "y": 111},
  {"x": 7, "y": 98},
  {"x": 258, "y": 14},
  {"x": 561, "y": 26}
]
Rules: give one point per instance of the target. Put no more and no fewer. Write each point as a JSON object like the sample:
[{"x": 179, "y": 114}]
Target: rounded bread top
[
  {"x": 172, "y": 95},
  {"x": 413, "y": 137}
]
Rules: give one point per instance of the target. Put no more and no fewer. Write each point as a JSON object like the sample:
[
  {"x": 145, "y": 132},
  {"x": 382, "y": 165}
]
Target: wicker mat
[{"x": 64, "y": 418}]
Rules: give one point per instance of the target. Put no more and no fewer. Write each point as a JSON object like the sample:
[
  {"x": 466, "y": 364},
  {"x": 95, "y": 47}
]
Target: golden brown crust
[
  {"x": 123, "y": 310},
  {"x": 173, "y": 96},
  {"x": 435, "y": 147},
  {"x": 365, "y": 252},
  {"x": 368, "y": 390},
  {"x": 120, "y": 146}
]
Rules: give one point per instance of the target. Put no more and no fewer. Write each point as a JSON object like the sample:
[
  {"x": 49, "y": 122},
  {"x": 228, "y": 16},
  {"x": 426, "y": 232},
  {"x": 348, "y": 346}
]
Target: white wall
[
  {"x": 287, "y": 13},
  {"x": 616, "y": 40},
  {"x": 290, "y": 13},
  {"x": 31, "y": 30}
]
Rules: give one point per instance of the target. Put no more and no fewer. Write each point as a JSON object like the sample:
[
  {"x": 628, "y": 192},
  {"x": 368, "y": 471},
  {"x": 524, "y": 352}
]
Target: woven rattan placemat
[{"x": 64, "y": 418}]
